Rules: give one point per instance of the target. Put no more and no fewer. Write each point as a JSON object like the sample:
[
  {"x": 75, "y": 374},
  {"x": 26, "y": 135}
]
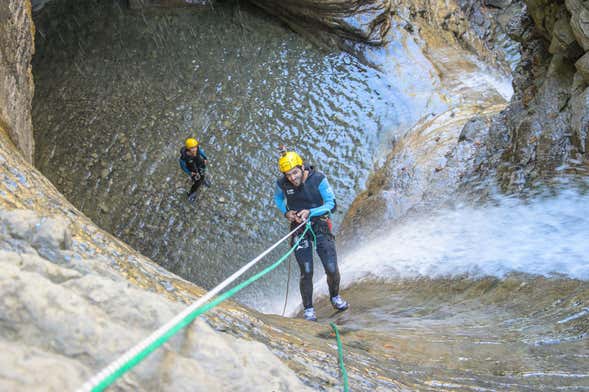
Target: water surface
[{"x": 117, "y": 92}]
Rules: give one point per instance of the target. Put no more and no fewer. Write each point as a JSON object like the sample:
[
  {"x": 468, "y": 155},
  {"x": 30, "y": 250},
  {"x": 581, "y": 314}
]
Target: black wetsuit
[
  {"x": 308, "y": 196},
  {"x": 193, "y": 164}
]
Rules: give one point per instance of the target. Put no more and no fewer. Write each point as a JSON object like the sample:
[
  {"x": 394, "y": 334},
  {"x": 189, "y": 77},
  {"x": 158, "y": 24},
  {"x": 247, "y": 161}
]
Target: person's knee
[
  {"x": 307, "y": 270},
  {"x": 328, "y": 258},
  {"x": 331, "y": 269},
  {"x": 304, "y": 259}
]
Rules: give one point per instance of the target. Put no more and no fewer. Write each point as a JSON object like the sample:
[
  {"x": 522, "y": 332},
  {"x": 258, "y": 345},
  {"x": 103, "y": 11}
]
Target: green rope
[
  {"x": 340, "y": 352},
  {"x": 188, "y": 319},
  {"x": 314, "y": 236}
]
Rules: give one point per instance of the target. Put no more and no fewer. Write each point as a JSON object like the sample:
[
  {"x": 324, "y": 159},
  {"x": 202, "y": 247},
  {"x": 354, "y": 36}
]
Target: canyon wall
[{"x": 16, "y": 80}]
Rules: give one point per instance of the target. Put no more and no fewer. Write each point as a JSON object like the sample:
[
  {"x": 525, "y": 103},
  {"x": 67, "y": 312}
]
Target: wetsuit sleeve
[
  {"x": 184, "y": 166},
  {"x": 202, "y": 154},
  {"x": 279, "y": 199},
  {"x": 328, "y": 200}
]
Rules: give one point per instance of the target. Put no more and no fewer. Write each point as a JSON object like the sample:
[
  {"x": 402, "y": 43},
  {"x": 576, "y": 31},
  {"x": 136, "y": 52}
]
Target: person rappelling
[
  {"x": 193, "y": 162},
  {"x": 303, "y": 193}
]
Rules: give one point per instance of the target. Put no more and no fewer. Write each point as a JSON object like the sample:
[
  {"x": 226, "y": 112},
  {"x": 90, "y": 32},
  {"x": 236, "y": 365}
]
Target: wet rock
[
  {"x": 580, "y": 25},
  {"x": 580, "y": 121},
  {"x": 563, "y": 40},
  {"x": 104, "y": 208},
  {"x": 366, "y": 21},
  {"x": 423, "y": 170},
  {"x": 496, "y": 26},
  {"x": 545, "y": 14},
  {"x": 141, "y": 4},
  {"x": 473, "y": 129},
  {"x": 582, "y": 66},
  {"x": 16, "y": 79},
  {"x": 579, "y": 84},
  {"x": 574, "y": 6},
  {"x": 519, "y": 25},
  {"x": 526, "y": 142},
  {"x": 497, "y": 3}
]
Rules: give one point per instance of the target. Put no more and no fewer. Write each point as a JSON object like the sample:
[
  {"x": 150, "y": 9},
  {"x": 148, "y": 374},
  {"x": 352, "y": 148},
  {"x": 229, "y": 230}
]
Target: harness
[
  {"x": 307, "y": 196},
  {"x": 194, "y": 163}
]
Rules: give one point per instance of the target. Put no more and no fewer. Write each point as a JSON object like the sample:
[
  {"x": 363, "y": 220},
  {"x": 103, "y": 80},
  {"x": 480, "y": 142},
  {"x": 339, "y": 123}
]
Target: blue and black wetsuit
[
  {"x": 193, "y": 164},
  {"x": 314, "y": 195}
]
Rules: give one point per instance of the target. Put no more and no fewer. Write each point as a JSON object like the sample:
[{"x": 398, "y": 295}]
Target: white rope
[{"x": 123, "y": 359}]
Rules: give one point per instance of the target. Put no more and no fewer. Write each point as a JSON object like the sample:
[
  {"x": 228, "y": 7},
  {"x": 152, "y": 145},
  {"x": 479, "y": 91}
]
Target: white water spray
[{"x": 545, "y": 236}]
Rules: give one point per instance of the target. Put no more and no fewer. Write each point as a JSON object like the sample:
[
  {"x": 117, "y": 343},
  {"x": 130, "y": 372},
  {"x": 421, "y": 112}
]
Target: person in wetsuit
[
  {"x": 193, "y": 162},
  {"x": 301, "y": 193}
]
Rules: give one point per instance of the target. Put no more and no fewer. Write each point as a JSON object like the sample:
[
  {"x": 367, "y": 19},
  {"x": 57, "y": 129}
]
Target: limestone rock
[
  {"x": 519, "y": 25},
  {"x": 36, "y": 264},
  {"x": 19, "y": 223},
  {"x": 498, "y": 3},
  {"x": 579, "y": 84},
  {"x": 545, "y": 13},
  {"x": 365, "y": 21},
  {"x": 199, "y": 361},
  {"x": 54, "y": 233},
  {"x": 582, "y": 66},
  {"x": 563, "y": 40},
  {"x": 48, "y": 236},
  {"x": 417, "y": 172},
  {"x": 580, "y": 27},
  {"x": 139, "y": 4},
  {"x": 580, "y": 121},
  {"x": 574, "y": 6},
  {"x": 53, "y": 313},
  {"x": 28, "y": 368},
  {"x": 16, "y": 81}
]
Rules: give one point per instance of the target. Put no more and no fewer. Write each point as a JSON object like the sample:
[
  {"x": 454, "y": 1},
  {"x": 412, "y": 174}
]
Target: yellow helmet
[
  {"x": 191, "y": 143},
  {"x": 289, "y": 160}
]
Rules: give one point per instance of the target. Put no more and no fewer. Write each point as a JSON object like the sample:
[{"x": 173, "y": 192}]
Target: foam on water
[{"x": 544, "y": 236}]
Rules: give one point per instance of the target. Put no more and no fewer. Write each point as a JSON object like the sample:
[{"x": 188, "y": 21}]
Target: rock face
[
  {"x": 365, "y": 21},
  {"x": 57, "y": 305},
  {"x": 16, "y": 81},
  {"x": 425, "y": 165},
  {"x": 545, "y": 126},
  {"x": 139, "y": 4},
  {"x": 543, "y": 131}
]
